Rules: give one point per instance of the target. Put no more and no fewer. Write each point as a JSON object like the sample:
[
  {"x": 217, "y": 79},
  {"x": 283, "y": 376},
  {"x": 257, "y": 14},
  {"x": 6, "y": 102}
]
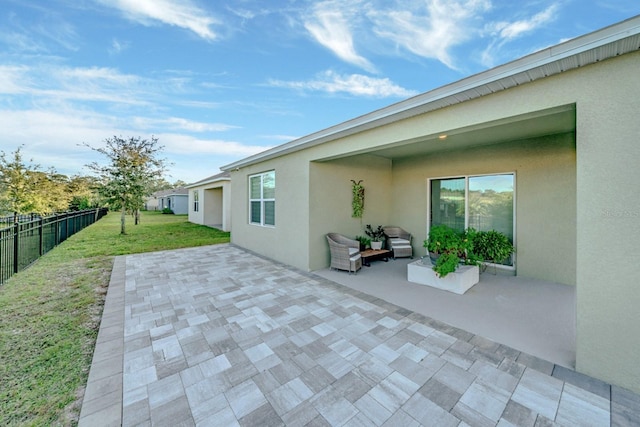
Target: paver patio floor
[{"x": 218, "y": 336}]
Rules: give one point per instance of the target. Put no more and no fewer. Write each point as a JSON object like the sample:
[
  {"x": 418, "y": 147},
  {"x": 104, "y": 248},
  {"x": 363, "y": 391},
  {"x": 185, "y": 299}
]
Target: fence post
[
  {"x": 16, "y": 232},
  {"x": 41, "y": 236},
  {"x": 56, "y": 234}
]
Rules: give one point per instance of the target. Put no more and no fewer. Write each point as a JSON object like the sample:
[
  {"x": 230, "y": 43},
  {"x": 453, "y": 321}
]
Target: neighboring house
[
  {"x": 175, "y": 199},
  {"x": 210, "y": 201},
  {"x": 151, "y": 203},
  {"x": 559, "y": 128}
]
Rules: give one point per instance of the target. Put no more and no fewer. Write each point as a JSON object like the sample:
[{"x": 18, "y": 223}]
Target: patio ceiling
[{"x": 516, "y": 128}]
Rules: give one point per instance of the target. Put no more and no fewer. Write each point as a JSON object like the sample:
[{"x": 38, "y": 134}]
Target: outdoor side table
[{"x": 373, "y": 255}]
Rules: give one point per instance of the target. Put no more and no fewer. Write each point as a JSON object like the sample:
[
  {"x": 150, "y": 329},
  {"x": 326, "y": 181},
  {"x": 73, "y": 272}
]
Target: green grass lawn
[{"x": 50, "y": 313}]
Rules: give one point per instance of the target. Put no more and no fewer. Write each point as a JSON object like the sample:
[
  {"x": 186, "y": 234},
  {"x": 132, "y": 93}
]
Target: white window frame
[
  {"x": 466, "y": 206},
  {"x": 196, "y": 200},
  {"x": 261, "y": 199}
]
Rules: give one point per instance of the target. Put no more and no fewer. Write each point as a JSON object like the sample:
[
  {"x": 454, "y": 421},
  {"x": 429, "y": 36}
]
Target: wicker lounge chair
[
  {"x": 398, "y": 241},
  {"x": 345, "y": 253}
]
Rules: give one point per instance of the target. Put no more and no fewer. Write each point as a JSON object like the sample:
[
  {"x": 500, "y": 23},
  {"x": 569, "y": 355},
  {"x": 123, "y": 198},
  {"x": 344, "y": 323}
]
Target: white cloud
[
  {"x": 330, "y": 26},
  {"x": 57, "y": 84},
  {"x": 60, "y": 131},
  {"x": 64, "y": 130},
  {"x": 512, "y": 30},
  {"x": 186, "y": 144},
  {"x": 504, "y": 32},
  {"x": 55, "y": 139},
  {"x": 118, "y": 46},
  {"x": 197, "y": 104},
  {"x": 431, "y": 29},
  {"x": 50, "y": 83},
  {"x": 178, "y": 123},
  {"x": 57, "y": 116},
  {"x": 95, "y": 75},
  {"x": 354, "y": 84},
  {"x": 195, "y": 158},
  {"x": 59, "y": 31},
  {"x": 181, "y": 14},
  {"x": 245, "y": 14},
  {"x": 21, "y": 42},
  {"x": 13, "y": 79},
  {"x": 35, "y": 35}
]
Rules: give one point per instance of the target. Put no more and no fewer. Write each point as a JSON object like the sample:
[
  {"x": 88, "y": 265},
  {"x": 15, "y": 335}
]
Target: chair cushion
[
  {"x": 353, "y": 251},
  {"x": 396, "y": 242},
  {"x": 355, "y": 258}
]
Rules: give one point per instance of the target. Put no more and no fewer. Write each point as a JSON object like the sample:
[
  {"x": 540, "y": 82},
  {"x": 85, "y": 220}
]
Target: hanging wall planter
[{"x": 357, "y": 203}]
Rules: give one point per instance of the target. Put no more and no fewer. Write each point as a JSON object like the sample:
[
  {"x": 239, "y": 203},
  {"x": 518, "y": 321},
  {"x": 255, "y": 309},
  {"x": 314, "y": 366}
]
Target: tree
[
  {"x": 83, "y": 191},
  {"x": 50, "y": 192},
  {"x": 19, "y": 185},
  {"x": 24, "y": 188},
  {"x": 162, "y": 184},
  {"x": 159, "y": 184},
  {"x": 125, "y": 180}
]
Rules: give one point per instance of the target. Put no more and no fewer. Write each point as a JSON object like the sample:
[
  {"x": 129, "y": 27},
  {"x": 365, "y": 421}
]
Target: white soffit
[
  {"x": 608, "y": 42},
  {"x": 224, "y": 176}
]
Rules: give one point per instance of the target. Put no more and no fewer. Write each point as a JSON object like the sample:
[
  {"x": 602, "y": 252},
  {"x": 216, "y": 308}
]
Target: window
[
  {"x": 482, "y": 202},
  {"x": 196, "y": 200},
  {"x": 262, "y": 199}
]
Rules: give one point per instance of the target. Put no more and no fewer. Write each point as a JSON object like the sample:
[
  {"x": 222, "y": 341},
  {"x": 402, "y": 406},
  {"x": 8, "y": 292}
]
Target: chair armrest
[{"x": 406, "y": 236}]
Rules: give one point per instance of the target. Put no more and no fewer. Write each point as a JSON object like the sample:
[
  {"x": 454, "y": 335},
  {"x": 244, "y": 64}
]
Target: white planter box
[{"x": 458, "y": 282}]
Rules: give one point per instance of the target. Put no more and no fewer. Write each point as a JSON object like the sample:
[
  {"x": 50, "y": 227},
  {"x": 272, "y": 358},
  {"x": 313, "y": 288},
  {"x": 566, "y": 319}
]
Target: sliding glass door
[
  {"x": 483, "y": 202},
  {"x": 448, "y": 205}
]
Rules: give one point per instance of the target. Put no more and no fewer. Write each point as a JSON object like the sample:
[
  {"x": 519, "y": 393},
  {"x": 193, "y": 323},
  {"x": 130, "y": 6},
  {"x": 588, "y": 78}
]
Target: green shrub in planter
[
  {"x": 365, "y": 242},
  {"x": 492, "y": 246},
  {"x": 453, "y": 248},
  {"x": 442, "y": 239}
]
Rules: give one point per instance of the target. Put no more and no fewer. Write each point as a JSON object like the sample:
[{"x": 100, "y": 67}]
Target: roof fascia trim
[{"x": 205, "y": 182}]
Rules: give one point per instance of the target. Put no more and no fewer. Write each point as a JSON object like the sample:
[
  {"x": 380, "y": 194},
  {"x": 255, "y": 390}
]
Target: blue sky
[{"x": 217, "y": 81}]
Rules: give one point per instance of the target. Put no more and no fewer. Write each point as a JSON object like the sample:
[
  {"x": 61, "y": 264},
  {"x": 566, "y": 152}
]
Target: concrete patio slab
[
  {"x": 532, "y": 316},
  {"x": 219, "y": 336}
]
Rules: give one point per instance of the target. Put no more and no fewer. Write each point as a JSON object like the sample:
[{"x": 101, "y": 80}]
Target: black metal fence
[
  {"x": 25, "y": 241},
  {"x": 7, "y": 221}
]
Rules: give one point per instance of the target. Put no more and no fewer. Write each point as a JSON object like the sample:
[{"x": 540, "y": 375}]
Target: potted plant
[
  {"x": 357, "y": 202},
  {"x": 376, "y": 235},
  {"x": 492, "y": 246},
  {"x": 449, "y": 248},
  {"x": 365, "y": 242}
]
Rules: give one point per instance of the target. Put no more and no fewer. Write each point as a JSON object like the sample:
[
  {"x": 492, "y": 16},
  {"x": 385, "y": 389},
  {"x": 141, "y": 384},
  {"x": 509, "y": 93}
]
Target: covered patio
[{"x": 529, "y": 315}]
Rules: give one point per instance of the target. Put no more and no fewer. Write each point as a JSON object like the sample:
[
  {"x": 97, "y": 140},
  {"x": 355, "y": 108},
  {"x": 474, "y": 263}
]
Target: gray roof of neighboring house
[
  {"x": 182, "y": 191},
  {"x": 615, "y": 40},
  {"x": 222, "y": 176}
]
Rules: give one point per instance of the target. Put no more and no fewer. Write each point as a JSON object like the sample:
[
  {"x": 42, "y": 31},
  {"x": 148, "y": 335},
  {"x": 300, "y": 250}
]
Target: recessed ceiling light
[{"x": 443, "y": 136}]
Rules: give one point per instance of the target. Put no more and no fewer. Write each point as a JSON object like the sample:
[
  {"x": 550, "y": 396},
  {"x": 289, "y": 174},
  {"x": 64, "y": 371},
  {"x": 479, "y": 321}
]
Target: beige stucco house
[
  {"x": 209, "y": 201},
  {"x": 559, "y": 128}
]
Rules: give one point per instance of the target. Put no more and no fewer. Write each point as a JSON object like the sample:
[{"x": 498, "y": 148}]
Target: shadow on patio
[{"x": 529, "y": 315}]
